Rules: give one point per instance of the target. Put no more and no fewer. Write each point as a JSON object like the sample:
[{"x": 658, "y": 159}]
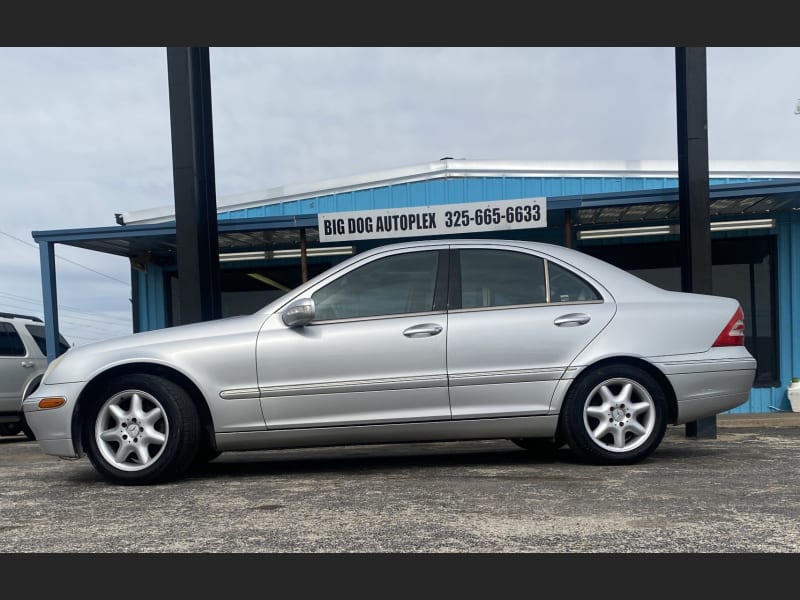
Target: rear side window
[
  {"x": 501, "y": 278},
  {"x": 37, "y": 331},
  {"x": 10, "y": 342},
  {"x": 565, "y": 286}
]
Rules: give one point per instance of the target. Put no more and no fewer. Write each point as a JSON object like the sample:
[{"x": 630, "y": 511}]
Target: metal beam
[
  {"x": 195, "y": 189},
  {"x": 47, "y": 264},
  {"x": 695, "y": 219}
]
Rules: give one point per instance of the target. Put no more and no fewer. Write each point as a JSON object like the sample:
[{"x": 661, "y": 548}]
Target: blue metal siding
[
  {"x": 763, "y": 400},
  {"x": 462, "y": 189},
  {"x": 152, "y": 304}
]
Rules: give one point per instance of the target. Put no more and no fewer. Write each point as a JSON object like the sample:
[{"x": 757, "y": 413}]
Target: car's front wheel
[
  {"x": 615, "y": 414},
  {"x": 142, "y": 429}
]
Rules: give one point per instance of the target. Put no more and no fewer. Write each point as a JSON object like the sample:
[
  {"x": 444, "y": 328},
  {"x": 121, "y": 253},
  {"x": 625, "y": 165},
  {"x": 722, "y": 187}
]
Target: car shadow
[
  {"x": 356, "y": 462},
  {"x": 376, "y": 459},
  {"x": 13, "y": 439}
]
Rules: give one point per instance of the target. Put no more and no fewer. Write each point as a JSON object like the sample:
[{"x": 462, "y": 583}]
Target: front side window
[
  {"x": 501, "y": 278},
  {"x": 398, "y": 284},
  {"x": 10, "y": 342}
]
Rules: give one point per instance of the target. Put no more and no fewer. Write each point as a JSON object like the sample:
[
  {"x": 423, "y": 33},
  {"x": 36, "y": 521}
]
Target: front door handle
[
  {"x": 424, "y": 330},
  {"x": 27, "y": 364},
  {"x": 572, "y": 320}
]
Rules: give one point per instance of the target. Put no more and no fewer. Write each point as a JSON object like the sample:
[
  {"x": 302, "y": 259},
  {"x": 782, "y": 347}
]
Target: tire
[
  {"x": 616, "y": 414},
  {"x": 27, "y": 430},
  {"x": 10, "y": 428},
  {"x": 143, "y": 429}
]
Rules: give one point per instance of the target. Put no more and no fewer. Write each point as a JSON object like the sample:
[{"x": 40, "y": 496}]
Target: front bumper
[{"x": 53, "y": 426}]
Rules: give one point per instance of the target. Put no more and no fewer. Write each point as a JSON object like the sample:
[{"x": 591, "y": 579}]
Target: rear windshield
[{"x": 37, "y": 331}]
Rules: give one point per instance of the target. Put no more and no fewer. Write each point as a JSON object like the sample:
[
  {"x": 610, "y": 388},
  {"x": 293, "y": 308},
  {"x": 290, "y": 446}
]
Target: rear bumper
[{"x": 704, "y": 390}]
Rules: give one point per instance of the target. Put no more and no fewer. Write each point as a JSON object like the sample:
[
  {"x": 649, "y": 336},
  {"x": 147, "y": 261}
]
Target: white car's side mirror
[{"x": 300, "y": 312}]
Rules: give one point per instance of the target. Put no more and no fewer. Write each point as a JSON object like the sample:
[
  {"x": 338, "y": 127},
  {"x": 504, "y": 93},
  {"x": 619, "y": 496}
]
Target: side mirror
[{"x": 299, "y": 313}]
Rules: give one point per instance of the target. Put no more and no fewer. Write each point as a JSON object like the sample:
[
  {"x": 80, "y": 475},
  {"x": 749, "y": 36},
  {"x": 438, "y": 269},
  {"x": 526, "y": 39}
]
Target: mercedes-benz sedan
[{"x": 421, "y": 341}]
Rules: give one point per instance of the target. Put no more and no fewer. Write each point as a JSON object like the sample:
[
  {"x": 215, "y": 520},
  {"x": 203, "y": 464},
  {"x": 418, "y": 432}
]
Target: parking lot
[{"x": 737, "y": 493}]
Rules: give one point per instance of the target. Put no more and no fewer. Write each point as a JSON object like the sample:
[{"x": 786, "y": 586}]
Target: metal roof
[
  {"x": 446, "y": 168},
  {"x": 660, "y": 205},
  {"x": 237, "y": 235},
  {"x": 159, "y": 240}
]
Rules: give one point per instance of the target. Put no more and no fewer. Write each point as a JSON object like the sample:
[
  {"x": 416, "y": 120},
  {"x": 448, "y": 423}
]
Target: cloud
[{"x": 86, "y": 130}]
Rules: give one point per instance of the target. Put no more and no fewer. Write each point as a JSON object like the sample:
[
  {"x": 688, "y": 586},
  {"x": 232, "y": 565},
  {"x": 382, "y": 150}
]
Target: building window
[{"x": 742, "y": 268}]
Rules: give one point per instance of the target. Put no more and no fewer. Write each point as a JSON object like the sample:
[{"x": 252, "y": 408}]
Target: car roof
[
  {"x": 614, "y": 280},
  {"x": 15, "y": 317}
]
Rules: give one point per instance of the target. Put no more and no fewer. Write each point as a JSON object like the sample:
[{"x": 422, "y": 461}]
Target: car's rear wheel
[
  {"x": 615, "y": 414},
  {"x": 143, "y": 429}
]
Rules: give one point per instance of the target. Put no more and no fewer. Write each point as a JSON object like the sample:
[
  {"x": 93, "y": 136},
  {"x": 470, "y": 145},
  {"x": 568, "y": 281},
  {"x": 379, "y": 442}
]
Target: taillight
[{"x": 733, "y": 333}]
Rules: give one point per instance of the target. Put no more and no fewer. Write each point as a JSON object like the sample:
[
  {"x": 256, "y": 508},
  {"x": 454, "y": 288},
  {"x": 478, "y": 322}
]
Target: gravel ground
[{"x": 739, "y": 493}]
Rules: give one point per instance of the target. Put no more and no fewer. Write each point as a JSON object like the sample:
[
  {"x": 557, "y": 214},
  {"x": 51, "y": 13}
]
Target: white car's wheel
[
  {"x": 143, "y": 429},
  {"x": 615, "y": 415},
  {"x": 10, "y": 428}
]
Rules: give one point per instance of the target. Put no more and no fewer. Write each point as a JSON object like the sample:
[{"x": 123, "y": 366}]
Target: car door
[
  {"x": 16, "y": 368},
  {"x": 375, "y": 352},
  {"x": 516, "y": 322}
]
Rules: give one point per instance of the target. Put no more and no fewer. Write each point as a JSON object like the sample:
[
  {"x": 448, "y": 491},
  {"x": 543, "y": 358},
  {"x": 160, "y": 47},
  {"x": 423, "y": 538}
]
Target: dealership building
[{"x": 623, "y": 212}]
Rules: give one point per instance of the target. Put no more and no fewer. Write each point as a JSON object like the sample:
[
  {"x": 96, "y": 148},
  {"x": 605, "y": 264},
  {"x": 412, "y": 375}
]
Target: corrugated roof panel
[
  {"x": 768, "y": 203},
  {"x": 586, "y": 216},
  {"x": 417, "y": 194},
  {"x": 636, "y": 212},
  {"x": 660, "y": 211},
  {"x": 610, "y": 214},
  {"x": 513, "y": 188},
  {"x": 466, "y": 189},
  {"x": 533, "y": 188}
]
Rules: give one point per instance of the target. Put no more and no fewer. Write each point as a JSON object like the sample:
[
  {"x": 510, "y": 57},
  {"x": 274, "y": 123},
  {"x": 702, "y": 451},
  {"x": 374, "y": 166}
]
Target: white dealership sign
[{"x": 441, "y": 219}]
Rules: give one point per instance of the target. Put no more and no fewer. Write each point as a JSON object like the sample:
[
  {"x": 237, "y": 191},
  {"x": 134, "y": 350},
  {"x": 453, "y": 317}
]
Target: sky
[{"x": 85, "y": 132}]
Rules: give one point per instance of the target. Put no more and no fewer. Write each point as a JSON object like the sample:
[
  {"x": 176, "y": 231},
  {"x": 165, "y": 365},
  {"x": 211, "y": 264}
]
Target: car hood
[{"x": 79, "y": 363}]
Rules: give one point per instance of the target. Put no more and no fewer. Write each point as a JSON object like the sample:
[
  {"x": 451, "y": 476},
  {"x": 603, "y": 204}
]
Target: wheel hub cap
[
  {"x": 131, "y": 430},
  {"x": 619, "y": 415}
]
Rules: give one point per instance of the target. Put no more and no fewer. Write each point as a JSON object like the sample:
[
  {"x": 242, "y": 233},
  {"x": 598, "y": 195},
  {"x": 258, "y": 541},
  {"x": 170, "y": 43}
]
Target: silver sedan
[{"x": 421, "y": 341}]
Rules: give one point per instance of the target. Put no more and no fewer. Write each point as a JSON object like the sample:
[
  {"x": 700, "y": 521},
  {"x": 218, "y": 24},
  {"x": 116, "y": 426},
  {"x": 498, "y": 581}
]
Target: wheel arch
[
  {"x": 32, "y": 385},
  {"x": 102, "y": 379},
  {"x": 649, "y": 368}
]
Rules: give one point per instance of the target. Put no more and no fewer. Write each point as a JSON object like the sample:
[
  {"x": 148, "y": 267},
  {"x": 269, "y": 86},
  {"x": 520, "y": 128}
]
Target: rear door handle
[
  {"x": 27, "y": 364},
  {"x": 424, "y": 330},
  {"x": 572, "y": 320}
]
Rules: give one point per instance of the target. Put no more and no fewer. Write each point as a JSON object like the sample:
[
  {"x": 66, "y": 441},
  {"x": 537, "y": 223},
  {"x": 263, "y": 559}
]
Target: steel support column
[
  {"x": 47, "y": 266},
  {"x": 695, "y": 235},
  {"x": 195, "y": 190}
]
